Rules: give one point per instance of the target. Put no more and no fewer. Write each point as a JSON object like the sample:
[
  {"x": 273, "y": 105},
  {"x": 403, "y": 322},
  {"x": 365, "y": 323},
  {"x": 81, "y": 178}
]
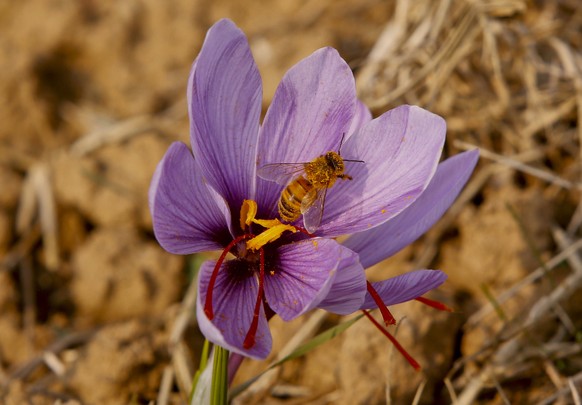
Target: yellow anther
[
  {"x": 273, "y": 227},
  {"x": 248, "y": 211},
  {"x": 269, "y": 235},
  {"x": 267, "y": 223}
]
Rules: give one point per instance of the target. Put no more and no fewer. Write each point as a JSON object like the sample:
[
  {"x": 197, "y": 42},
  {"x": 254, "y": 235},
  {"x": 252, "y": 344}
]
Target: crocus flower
[{"x": 211, "y": 197}]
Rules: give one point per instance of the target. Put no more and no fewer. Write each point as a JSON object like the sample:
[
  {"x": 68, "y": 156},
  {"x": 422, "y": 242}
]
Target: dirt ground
[{"x": 92, "y": 92}]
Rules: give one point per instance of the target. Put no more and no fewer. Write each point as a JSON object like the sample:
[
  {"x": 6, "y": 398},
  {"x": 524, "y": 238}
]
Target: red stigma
[
  {"x": 386, "y": 315},
  {"x": 250, "y": 337},
  {"x": 208, "y": 303},
  {"x": 395, "y": 342},
  {"x": 435, "y": 304}
]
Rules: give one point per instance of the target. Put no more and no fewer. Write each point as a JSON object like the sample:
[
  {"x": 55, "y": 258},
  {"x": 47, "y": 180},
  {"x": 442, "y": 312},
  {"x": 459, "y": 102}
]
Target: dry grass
[{"x": 507, "y": 75}]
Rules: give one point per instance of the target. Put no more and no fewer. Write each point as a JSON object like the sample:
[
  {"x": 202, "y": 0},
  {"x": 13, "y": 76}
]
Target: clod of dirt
[
  {"x": 14, "y": 345},
  {"x": 5, "y": 232},
  {"x": 117, "y": 275},
  {"x": 10, "y": 183},
  {"x": 15, "y": 394},
  {"x": 72, "y": 231},
  {"x": 122, "y": 364},
  {"x": 495, "y": 240},
  {"x": 111, "y": 186},
  {"x": 497, "y": 252},
  {"x": 369, "y": 366}
]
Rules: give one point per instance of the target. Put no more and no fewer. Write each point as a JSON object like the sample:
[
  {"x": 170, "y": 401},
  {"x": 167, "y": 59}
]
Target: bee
[{"x": 305, "y": 193}]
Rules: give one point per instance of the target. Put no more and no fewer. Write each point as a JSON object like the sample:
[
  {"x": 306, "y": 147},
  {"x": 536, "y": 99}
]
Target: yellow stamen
[
  {"x": 267, "y": 223},
  {"x": 274, "y": 227},
  {"x": 268, "y": 236},
  {"x": 248, "y": 211}
]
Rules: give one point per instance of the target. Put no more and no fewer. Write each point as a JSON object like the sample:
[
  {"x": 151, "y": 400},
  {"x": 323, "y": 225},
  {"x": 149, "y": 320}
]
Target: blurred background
[{"x": 92, "y": 92}]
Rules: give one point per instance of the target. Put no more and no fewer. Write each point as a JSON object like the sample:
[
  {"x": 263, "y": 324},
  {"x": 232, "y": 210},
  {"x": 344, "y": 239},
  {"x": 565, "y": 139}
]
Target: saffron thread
[
  {"x": 434, "y": 304},
  {"x": 395, "y": 342},
  {"x": 250, "y": 337},
  {"x": 208, "y": 310},
  {"x": 386, "y": 315}
]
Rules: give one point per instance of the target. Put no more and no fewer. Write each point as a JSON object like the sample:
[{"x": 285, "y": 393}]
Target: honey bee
[{"x": 305, "y": 193}]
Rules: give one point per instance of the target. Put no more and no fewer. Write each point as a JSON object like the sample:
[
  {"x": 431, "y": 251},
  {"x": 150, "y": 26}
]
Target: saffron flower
[{"x": 211, "y": 198}]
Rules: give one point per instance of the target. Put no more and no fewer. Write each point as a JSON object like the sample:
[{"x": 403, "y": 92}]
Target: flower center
[
  {"x": 272, "y": 230},
  {"x": 208, "y": 309},
  {"x": 273, "y": 227}
]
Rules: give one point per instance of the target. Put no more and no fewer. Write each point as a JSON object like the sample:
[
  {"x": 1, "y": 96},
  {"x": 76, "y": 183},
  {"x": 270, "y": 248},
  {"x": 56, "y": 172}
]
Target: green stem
[
  {"x": 219, "y": 390},
  {"x": 203, "y": 361}
]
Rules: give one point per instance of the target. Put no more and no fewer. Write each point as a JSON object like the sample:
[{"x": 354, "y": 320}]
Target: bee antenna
[{"x": 339, "y": 150}]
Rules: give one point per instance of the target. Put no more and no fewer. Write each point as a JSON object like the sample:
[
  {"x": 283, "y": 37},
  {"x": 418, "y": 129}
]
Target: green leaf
[
  {"x": 318, "y": 340},
  {"x": 219, "y": 389},
  {"x": 493, "y": 302},
  {"x": 203, "y": 362}
]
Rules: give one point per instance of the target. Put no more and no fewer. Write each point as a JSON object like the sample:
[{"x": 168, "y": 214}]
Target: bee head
[{"x": 335, "y": 161}]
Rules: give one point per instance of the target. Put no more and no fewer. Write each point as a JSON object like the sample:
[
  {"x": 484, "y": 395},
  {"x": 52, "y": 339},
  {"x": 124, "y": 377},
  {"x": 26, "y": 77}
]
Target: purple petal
[
  {"x": 348, "y": 290},
  {"x": 188, "y": 216},
  {"x": 224, "y": 94},
  {"x": 405, "y": 287},
  {"x": 401, "y": 150},
  {"x": 385, "y": 240},
  {"x": 233, "y": 305},
  {"x": 312, "y": 108},
  {"x": 303, "y": 274},
  {"x": 361, "y": 118}
]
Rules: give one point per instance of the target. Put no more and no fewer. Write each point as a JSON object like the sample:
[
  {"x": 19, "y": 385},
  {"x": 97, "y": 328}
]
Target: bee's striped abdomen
[{"x": 291, "y": 197}]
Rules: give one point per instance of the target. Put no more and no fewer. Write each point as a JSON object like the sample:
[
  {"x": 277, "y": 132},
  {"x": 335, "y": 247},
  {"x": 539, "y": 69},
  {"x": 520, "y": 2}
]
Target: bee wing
[
  {"x": 312, "y": 208},
  {"x": 281, "y": 173}
]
